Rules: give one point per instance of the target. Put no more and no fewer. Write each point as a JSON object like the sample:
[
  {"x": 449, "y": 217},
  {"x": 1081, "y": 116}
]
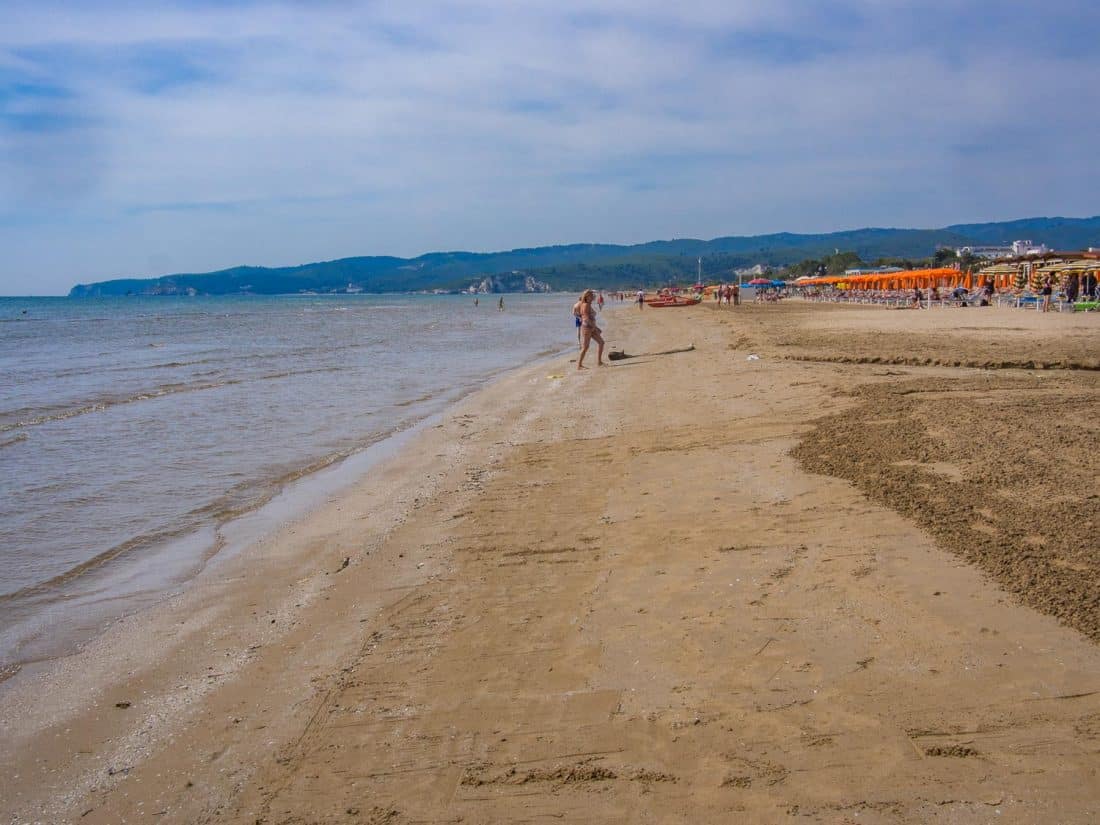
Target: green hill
[
  {"x": 1057, "y": 233},
  {"x": 607, "y": 265}
]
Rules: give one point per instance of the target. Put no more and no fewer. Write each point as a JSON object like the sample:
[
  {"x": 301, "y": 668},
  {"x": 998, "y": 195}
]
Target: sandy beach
[{"x": 854, "y": 580}]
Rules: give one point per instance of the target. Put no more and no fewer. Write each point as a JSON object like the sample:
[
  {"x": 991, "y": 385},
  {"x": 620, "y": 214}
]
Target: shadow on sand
[{"x": 619, "y": 355}]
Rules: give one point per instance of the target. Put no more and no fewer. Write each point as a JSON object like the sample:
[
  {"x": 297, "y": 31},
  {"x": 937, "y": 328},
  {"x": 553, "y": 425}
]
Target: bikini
[{"x": 589, "y": 322}]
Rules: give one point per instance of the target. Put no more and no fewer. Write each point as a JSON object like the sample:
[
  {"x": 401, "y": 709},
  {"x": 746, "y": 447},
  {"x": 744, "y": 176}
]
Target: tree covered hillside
[{"x": 608, "y": 265}]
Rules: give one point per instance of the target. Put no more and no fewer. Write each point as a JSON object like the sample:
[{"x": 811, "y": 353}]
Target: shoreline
[
  {"x": 197, "y": 551},
  {"x": 609, "y": 581},
  {"x": 101, "y": 592},
  {"x": 38, "y": 699}
]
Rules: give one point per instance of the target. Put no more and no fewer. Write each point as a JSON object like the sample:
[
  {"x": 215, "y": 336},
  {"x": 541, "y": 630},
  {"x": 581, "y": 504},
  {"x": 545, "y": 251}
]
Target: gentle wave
[
  {"x": 146, "y": 540},
  {"x": 147, "y": 395},
  {"x": 220, "y": 358},
  {"x": 242, "y": 498},
  {"x": 148, "y": 489},
  {"x": 371, "y": 308},
  {"x": 418, "y": 400}
]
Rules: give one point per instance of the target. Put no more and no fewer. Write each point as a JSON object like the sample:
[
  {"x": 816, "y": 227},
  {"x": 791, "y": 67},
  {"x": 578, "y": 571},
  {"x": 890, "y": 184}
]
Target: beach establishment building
[{"x": 1017, "y": 249}]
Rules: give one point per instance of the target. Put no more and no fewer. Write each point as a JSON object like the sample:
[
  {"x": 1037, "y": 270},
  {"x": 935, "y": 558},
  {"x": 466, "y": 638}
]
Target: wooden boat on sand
[{"x": 673, "y": 301}]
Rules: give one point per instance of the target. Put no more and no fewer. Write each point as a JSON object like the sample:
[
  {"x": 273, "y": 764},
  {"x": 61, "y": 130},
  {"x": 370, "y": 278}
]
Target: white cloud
[{"x": 204, "y": 135}]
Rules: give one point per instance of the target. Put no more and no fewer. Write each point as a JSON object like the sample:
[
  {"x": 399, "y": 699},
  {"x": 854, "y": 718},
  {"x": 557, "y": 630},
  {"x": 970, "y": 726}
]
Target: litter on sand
[{"x": 753, "y": 357}]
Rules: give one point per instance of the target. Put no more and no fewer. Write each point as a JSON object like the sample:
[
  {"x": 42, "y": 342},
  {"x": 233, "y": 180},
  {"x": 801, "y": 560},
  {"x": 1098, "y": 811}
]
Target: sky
[{"x": 142, "y": 139}]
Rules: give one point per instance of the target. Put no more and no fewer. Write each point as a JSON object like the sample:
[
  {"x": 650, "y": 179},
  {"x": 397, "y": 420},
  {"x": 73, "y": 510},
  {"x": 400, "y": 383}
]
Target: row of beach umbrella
[{"x": 1001, "y": 276}]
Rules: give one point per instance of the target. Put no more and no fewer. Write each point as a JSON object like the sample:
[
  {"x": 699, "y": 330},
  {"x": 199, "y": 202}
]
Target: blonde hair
[{"x": 588, "y": 292}]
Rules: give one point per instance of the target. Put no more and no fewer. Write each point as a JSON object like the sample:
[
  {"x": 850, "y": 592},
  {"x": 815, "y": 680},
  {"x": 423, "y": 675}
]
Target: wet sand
[{"x": 683, "y": 588}]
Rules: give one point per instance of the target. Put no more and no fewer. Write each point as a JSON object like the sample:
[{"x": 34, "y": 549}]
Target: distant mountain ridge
[{"x": 608, "y": 265}]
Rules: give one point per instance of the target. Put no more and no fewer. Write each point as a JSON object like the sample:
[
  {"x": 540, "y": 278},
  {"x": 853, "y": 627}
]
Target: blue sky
[{"x": 144, "y": 139}]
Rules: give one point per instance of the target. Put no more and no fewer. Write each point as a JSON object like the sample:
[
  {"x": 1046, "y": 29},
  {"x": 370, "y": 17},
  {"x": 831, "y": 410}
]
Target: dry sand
[{"x": 626, "y": 595}]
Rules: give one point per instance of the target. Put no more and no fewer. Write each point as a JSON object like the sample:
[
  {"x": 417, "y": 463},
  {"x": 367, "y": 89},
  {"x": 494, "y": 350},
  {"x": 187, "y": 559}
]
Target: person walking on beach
[
  {"x": 640, "y": 298},
  {"x": 589, "y": 330},
  {"x": 500, "y": 304},
  {"x": 599, "y": 302},
  {"x": 1048, "y": 290},
  {"x": 1072, "y": 287}
]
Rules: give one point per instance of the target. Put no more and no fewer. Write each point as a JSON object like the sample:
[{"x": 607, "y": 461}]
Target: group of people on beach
[
  {"x": 960, "y": 296},
  {"x": 728, "y": 294},
  {"x": 1074, "y": 287},
  {"x": 1044, "y": 294},
  {"x": 615, "y": 296}
]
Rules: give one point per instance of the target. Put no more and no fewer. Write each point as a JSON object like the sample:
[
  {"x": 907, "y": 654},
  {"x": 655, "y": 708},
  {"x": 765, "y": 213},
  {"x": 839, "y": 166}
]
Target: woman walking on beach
[
  {"x": 1048, "y": 290},
  {"x": 587, "y": 313}
]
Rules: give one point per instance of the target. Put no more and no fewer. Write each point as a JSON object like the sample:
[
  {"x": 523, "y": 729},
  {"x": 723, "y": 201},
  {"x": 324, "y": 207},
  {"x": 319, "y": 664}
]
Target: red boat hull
[{"x": 672, "y": 302}]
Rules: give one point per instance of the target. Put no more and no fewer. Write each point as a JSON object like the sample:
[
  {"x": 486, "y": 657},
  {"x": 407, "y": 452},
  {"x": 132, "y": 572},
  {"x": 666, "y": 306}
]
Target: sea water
[{"x": 133, "y": 429}]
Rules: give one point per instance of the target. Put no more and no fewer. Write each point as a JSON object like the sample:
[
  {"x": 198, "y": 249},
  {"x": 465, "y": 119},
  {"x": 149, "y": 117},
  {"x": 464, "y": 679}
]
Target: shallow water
[{"x": 131, "y": 428}]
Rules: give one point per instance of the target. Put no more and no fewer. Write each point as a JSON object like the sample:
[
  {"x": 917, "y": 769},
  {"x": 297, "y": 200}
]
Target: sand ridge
[{"x": 610, "y": 597}]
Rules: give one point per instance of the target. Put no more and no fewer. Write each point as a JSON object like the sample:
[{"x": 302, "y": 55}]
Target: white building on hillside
[
  {"x": 1028, "y": 248},
  {"x": 753, "y": 271},
  {"x": 1016, "y": 250}
]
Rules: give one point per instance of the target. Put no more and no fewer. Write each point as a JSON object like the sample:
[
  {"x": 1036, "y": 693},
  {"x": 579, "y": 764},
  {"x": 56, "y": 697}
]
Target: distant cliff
[
  {"x": 512, "y": 282},
  {"x": 566, "y": 267}
]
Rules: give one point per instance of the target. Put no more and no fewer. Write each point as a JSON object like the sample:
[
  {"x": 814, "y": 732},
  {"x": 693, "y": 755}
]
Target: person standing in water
[
  {"x": 589, "y": 330},
  {"x": 500, "y": 304},
  {"x": 475, "y": 301}
]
